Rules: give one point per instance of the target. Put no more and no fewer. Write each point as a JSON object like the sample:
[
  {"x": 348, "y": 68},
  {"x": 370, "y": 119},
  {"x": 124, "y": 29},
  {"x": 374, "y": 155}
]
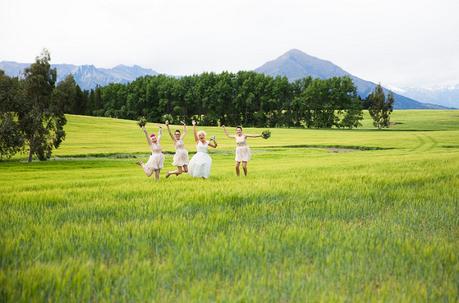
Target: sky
[{"x": 399, "y": 43}]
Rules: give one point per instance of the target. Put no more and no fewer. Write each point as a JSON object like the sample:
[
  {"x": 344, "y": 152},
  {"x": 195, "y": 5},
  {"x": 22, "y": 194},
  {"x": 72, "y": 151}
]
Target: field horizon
[{"x": 324, "y": 215}]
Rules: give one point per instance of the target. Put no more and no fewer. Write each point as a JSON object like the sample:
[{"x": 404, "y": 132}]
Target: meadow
[{"x": 324, "y": 215}]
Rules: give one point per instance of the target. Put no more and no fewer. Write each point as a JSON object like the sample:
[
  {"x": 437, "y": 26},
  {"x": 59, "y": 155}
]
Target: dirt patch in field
[
  {"x": 332, "y": 147},
  {"x": 341, "y": 150}
]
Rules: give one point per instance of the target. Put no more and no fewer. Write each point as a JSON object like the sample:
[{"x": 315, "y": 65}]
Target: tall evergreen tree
[
  {"x": 66, "y": 90},
  {"x": 380, "y": 108}
]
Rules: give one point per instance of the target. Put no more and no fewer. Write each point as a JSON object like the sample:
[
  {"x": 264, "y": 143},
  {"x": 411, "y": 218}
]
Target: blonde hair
[{"x": 201, "y": 132}]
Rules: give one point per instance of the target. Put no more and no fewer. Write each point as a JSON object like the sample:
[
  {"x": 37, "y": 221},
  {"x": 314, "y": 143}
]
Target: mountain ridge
[
  {"x": 443, "y": 95},
  {"x": 87, "y": 76},
  {"x": 296, "y": 64}
]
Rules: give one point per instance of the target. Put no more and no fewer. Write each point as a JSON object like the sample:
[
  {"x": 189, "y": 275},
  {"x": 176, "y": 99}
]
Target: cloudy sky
[{"x": 396, "y": 42}]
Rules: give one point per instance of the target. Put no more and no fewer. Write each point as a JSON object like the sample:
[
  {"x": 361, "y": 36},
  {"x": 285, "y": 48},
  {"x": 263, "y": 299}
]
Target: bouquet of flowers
[
  {"x": 266, "y": 134},
  {"x": 142, "y": 122},
  {"x": 212, "y": 138}
]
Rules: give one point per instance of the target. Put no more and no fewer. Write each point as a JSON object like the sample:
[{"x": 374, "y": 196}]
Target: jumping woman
[
  {"x": 156, "y": 160},
  {"x": 242, "y": 149},
  {"x": 181, "y": 154},
  {"x": 201, "y": 162}
]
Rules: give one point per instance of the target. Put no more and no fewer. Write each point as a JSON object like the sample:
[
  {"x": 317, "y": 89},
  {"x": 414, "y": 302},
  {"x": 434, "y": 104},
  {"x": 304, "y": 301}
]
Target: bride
[{"x": 201, "y": 162}]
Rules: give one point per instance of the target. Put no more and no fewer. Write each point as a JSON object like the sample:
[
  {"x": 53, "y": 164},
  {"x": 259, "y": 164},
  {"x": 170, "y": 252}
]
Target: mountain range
[
  {"x": 443, "y": 95},
  {"x": 294, "y": 65},
  {"x": 87, "y": 76}
]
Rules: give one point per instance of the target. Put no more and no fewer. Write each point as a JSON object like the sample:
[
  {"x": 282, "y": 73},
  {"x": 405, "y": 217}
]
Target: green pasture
[{"x": 324, "y": 215}]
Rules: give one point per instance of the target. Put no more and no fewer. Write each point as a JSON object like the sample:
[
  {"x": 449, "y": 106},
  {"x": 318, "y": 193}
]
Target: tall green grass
[{"x": 307, "y": 224}]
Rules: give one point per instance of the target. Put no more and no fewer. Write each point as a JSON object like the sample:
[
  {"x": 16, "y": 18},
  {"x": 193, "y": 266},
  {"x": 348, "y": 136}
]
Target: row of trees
[
  {"x": 32, "y": 107},
  {"x": 243, "y": 98}
]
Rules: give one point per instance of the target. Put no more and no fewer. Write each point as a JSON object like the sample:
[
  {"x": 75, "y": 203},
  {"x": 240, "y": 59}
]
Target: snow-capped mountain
[{"x": 87, "y": 76}]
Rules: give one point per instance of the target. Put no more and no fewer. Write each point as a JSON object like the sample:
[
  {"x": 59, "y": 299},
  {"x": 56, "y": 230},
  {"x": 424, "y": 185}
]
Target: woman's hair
[
  {"x": 177, "y": 131},
  {"x": 201, "y": 132},
  {"x": 239, "y": 127}
]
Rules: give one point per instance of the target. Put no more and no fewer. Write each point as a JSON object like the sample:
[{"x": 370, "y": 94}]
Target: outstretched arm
[
  {"x": 226, "y": 132},
  {"x": 254, "y": 136},
  {"x": 195, "y": 132},
  {"x": 146, "y": 135},
  {"x": 169, "y": 130},
  {"x": 184, "y": 130}
]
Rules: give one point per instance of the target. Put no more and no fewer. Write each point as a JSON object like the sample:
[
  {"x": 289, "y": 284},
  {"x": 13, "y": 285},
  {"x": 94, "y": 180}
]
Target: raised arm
[
  {"x": 169, "y": 130},
  {"x": 184, "y": 130},
  {"x": 195, "y": 132},
  {"x": 160, "y": 133},
  {"x": 226, "y": 132},
  {"x": 213, "y": 143},
  {"x": 146, "y": 135}
]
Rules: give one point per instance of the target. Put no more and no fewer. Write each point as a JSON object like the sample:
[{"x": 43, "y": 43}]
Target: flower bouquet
[
  {"x": 266, "y": 134},
  {"x": 212, "y": 138},
  {"x": 142, "y": 122}
]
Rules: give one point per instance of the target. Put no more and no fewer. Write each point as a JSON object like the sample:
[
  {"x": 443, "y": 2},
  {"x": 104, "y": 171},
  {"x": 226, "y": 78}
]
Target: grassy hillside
[
  {"x": 307, "y": 224},
  {"x": 92, "y": 135}
]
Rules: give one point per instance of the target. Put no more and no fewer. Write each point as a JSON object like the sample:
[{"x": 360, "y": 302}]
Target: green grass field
[{"x": 324, "y": 215}]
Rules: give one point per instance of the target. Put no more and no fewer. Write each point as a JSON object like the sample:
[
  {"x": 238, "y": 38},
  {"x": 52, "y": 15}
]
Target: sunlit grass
[{"x": 307, "y": 224}]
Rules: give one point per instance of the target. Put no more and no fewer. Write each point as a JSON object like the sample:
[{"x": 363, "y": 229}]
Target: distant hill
[
  {"x": 442, "y": 95},
  {"x": 87, "y": 76},
  {"x": 296, "y": 64}
]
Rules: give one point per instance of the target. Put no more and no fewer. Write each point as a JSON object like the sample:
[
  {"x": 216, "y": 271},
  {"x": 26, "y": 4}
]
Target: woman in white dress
[
  {"x": 201, "y": 162},
  {"x": 243, "y": 153},
  {"x": 156, "y": 160},
  {"x": 181, "y": 154}
]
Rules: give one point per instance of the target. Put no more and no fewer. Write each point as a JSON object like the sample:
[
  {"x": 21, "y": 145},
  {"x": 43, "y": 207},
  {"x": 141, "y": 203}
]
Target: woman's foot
[
  {"x": 139, "y": 163},
  {"x": 168, "y": 175}
]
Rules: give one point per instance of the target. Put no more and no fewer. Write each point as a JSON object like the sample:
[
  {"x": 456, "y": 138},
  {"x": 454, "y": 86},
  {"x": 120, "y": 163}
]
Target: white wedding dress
[{"x": 201, "y": 162}]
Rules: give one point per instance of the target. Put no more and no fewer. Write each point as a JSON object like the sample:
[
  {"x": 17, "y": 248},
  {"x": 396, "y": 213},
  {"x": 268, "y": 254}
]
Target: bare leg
[
  {"x": 185, "y": 168},
  {"x": 238, "y": 172},
  {"x": 176, "y": 172},
  {"x": 244, "y": 167},
  {"x": 148, "y": 171},
  {"x": 157, "y": 171}
]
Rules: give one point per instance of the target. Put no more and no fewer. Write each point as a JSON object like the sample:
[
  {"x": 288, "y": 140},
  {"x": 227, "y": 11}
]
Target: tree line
[
  {"x": 32, "y": 107},
  {"x": 243, "y": 98}
]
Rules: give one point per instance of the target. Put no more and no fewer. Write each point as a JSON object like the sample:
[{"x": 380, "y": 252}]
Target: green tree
[
  {"x": 11, "y": 140},
  {"x": 41, "y": 118},
  {"x": 80, "y": 102},
  {"x": 380, "y": 107},
  {"x": 66, "y": 90},
  {"x": 348, "y": 107}
]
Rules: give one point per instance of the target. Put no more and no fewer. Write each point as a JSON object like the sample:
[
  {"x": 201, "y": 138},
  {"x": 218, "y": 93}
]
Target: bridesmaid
[
  {"x": 181, "y": 154},
  {"x": 243, "y": 153},
  {"x": 201, "y": 162},
  {"x": 156, "y": 160}
]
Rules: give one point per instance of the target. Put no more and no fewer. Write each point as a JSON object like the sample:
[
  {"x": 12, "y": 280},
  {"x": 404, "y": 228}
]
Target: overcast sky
[{"x": 396, "y": 42}]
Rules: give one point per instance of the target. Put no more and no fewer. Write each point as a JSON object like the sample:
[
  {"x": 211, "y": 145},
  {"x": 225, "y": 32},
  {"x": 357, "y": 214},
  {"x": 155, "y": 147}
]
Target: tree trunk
[
  {"x": 30, "y": 155},
  {"x": 30, "y": 151}
]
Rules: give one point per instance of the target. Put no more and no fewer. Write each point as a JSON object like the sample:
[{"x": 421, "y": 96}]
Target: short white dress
[
  {"x": 243, "y": 153},
  {"x": 201, "y": 162},
  {"x": 156, "y": 160},
  {"x": 181, "y": 154}
]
